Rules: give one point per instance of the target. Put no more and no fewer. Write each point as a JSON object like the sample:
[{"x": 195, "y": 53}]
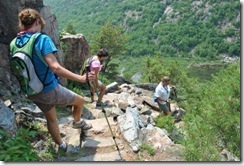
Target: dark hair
[{"x": 102, "y": 53}]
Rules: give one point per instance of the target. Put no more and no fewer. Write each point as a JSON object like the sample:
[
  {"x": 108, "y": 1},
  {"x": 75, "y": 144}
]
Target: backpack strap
[
  {"x": 38, "y": 52},
  {"x": 35, "y": 36},
  {"x": 87, "y": 70}
]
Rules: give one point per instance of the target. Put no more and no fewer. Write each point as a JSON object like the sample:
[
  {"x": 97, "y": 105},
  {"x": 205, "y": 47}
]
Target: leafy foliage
[
  {"x": 112, "y": 39},
  {"x": 166, "y": 122},
  {"x": 148, "y": 148},
  {"x": 173, "y": 28},
  {"x": 213, "y": 117},
  {"x": 155, "y": 67},
  {"x": 70, "y": 29},
  {"x": 17, "y": 148}
]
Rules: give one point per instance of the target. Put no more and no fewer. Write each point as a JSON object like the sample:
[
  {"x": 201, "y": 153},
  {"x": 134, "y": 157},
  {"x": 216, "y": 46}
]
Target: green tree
[
  {"x": 70, "y": 29},
  {"x": 113, "y": 39},
  {"x": 156, "y": 67},
  {"x": 234, "y": 49}
]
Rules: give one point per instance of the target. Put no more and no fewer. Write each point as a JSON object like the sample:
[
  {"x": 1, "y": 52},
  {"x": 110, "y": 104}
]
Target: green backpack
[
  {"x": 22, "y": 66},
  {"x": 86, "y": 66}
]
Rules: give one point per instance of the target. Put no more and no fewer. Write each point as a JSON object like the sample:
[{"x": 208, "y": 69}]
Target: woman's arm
[{"x": 54, "y": 65}]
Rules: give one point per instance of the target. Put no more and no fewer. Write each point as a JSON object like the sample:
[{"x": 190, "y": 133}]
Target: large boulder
[{"x": 76, "y": 51}]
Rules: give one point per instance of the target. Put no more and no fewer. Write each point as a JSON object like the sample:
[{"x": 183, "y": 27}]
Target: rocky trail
[
  {"x": 131, "y": 113},
  {"x": 99, "y": 144}
]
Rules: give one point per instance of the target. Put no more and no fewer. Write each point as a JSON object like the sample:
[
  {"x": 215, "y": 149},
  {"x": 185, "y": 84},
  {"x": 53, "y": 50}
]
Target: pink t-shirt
[{"x": 95, "y": 64}]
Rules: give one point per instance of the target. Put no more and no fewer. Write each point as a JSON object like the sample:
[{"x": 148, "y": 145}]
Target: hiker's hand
[
  {"x": 173, "y": 87},
  {"x": 167, "y": 101},
  {"x": 91, "y": 76}
]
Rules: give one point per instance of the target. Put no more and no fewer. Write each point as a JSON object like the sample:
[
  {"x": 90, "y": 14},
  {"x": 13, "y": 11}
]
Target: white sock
[
  {"x": 81, "y": 120},
  {"x": 63, "y": 145}
]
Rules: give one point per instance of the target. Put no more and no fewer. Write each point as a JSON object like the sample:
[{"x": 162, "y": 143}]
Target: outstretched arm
[{"x": 54, "y": 65}]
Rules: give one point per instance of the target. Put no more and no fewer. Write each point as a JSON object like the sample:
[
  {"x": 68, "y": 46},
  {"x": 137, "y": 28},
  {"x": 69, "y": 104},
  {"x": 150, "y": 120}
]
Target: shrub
[{"x": 18, "y": 147}]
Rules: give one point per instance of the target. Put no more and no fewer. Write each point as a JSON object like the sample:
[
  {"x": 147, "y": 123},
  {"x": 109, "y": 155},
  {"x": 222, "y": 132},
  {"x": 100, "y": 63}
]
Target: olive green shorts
[{"x": 163, "y": 107}]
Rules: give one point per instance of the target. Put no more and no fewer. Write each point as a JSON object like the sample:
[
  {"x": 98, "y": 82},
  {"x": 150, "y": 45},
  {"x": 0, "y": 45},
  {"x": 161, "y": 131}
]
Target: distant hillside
[{"x": 171, "y": 28}]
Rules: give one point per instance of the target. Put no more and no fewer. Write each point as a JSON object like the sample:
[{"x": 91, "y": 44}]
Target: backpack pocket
[{"x": 23, "y": 68}]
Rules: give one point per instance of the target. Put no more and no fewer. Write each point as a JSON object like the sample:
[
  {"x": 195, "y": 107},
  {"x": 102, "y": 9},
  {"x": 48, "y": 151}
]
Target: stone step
[
  {"x": 99, "y": 141},
  {"x": 112, "y": 156}
]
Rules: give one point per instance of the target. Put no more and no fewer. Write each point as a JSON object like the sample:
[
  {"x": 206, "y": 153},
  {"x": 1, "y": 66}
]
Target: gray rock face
[
  {"x": 9, "y": 28},
  {"x": 7, "y": 118}
]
